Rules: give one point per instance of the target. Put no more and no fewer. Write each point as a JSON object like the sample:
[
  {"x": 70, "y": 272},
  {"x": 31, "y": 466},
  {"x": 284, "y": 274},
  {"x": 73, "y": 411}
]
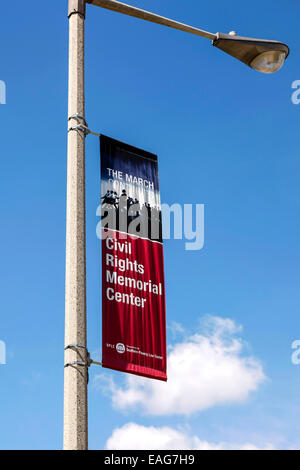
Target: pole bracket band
[
  {"x": 81, "y": 363},
  {"x": 76, "y": 363},
  {"x": 76, "y": 7},
  {"x": 83, "y": 128},
  {"x": 75, "y": 346},
  {"x": 80, "y": 127},
  {"x": 78, "y": 118}
]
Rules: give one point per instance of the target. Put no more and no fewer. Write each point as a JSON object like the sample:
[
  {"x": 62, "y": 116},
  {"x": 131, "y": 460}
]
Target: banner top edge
[{"x": 129, "y": 148}]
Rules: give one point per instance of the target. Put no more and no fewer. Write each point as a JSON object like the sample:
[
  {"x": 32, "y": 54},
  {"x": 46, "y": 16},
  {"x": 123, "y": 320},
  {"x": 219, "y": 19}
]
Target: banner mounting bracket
[
  {"x": 83, "y": 126},
  {"x": 96, "y": 363}
]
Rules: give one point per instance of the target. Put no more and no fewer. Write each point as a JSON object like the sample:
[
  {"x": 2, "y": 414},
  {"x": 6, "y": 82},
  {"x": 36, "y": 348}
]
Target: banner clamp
[
  {"x": 76, "y": 363},
  {"x": 83, "y": 127},
  {"x": 81, "y": 363},
  {"x": 75, "y": 346},
  {"x": 77, "y": 117}
]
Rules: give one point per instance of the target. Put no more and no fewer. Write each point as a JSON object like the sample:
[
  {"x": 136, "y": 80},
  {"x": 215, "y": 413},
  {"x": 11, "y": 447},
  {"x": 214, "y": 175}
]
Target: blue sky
[{"x": 226, "y": 137}]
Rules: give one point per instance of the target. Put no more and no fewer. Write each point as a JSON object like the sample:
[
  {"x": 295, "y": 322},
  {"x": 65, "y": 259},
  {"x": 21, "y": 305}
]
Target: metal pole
[
  {"x": 119, "y": 7},
  {"x": 75, "y": 379}
]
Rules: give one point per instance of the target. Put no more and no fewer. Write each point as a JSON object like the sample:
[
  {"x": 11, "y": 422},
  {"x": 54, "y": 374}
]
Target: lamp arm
[{"x": 152, "y": 17}]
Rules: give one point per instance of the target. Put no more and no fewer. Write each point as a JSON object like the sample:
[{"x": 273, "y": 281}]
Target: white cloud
[
  {"x": 204, "y": 370},
  {"x": 133, "y": 436}
]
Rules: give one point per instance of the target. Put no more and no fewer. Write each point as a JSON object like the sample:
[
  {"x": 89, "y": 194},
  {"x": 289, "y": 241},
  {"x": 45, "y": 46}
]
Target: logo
[{"x": 120, "y": 348}]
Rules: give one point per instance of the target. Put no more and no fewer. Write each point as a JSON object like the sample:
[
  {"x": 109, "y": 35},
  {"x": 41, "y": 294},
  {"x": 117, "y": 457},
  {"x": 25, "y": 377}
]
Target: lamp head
[{"x": 259, "y": 54}]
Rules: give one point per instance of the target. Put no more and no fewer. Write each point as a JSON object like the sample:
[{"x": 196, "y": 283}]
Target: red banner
[{"x": 133, "y": 289}]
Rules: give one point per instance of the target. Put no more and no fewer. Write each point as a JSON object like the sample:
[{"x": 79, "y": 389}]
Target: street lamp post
[
  {"x": 75, "y": 380},
  {"x": 263, "y": 55}
]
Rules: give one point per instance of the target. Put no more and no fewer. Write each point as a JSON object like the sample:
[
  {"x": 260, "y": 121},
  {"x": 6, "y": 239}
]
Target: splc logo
[
  {"x": 2, "y": 92},
  {"x": 120, "y": 348}
]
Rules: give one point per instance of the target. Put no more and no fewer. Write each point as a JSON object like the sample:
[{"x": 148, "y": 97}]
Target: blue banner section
[
  {"x": 126, "y": 168},
  {"x": 130, "y": 194}
]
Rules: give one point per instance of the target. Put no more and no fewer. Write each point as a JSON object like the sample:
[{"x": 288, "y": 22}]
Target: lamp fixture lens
[{"x": 268, "y": 62}]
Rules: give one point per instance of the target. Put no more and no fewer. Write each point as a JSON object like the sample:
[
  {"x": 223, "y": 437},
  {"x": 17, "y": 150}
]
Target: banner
[{"x": 133, "y": 288}]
